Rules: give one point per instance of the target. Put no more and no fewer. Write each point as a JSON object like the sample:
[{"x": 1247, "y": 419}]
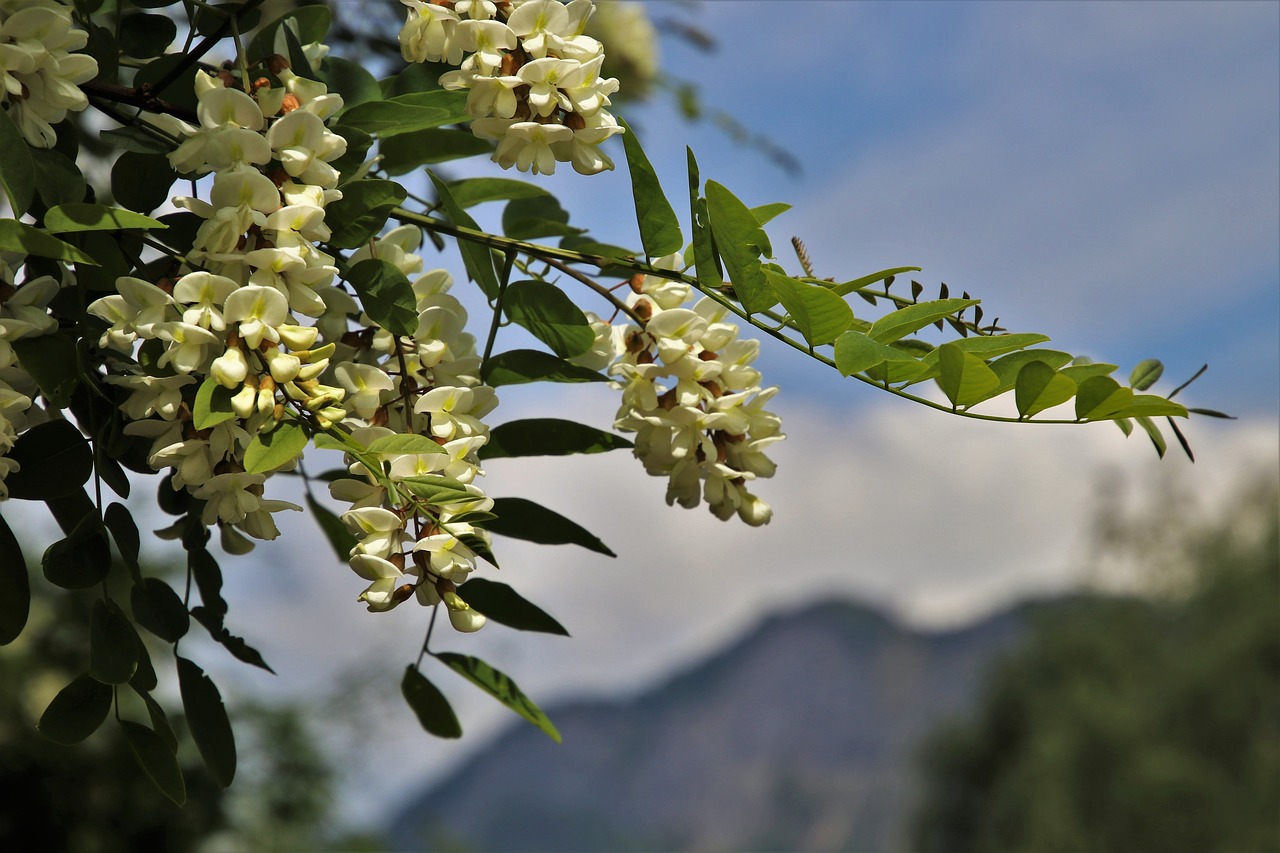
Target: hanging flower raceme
[
  {"x": 23, "y": 314},
  {"x": 233, "y": 327},
  {"x": 693, "y": 399},
  {"x": 39, "y": 72},
  {"x": 420, "y": 397},
  {"x": 532, "y": 77}
]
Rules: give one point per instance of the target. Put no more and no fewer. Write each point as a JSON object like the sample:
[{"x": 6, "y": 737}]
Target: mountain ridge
[{"x": 799, "y": 733}]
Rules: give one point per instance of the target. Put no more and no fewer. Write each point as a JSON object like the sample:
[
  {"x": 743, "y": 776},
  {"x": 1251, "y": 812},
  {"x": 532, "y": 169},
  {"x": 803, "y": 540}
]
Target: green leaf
[
  {"x": 208, "y": 722},
  {"x": 1085, "y": 370},
  {"x": 429, "y": 704},
  {"x": 1009, "y": 366},
  {"x": 1100, "y": 397},
  {"x": 159, "y": 720},
  {"x": 124, "y": 532},
  {"x": 401, "y": 444},
  {"x": 817, "y": 313},
  {"x": 519, "y": 366},
  {"x": 705, "y": 258},
  {"x": 659, "y": 229},
  {"x": 213, "y": 404},
  {"x": 351, "y": 80},
  {"x": 51, "y": 361},
  {"x": 362, "y": 211},
  {"x": 963, "y": 377},
  {"x": 436, "y": 489},
  {"x": 550, "y": 316},
  {"x": 16, "y": 169},
  {"x": 143, "y": 35},
  {"x": 766, "y": 213},
  {"x": 113, "y": 655},
  {"x": 306, "y": 24},
  {"x": 158, "y": 608},
  {"x": 17, "y": 237},
  {"x": 239, "y": 649},
  {"x": 57, "y": 178},
  {"x": 740, "y": 242},
  {"x": 209, "y": 20},
  {"x": 1146, "y": 374},
  {"x": 548, "y": 437},
  {"x": 476, "y": 257},
  {"x": 408, "y": 113},
  {"x": 503, "y": 604},
  {"x": 473, "y": 191},
  {"x": 156, "y": 759},
  {"x": 847, "y": 287},
  {"x": 82, "y": 216},
  {"x": 15, "y": 586},
  {"x": 904, "y": 321},
  {"x": 268, "y": 452},
  {"x": 857, "y": 353},
  {"x": 77, "y": 711},
  {"x": 386, "y": 295},
  {"x": 1153, "y": 432},
  {"x": 1040, "y": 387},
  {"x": 82, "y": 559},
  {"x": 524, "y": 519},
  {"x": 991, "y": 346},
  {"x": 141, "y": 181},
  {"x": 333, "y": 528},
  {"x": 500, "y": 687},
  {"x": 411, "y": 151},
  {"x": 208, "y": 577},
  {"x": 1152, "y": 406},
  {"x": 540, "y": 216}
]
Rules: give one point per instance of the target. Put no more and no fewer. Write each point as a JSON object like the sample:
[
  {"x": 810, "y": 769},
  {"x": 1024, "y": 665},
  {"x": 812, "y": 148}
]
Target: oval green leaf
[
  {"x": 113, "y": 654},
  {"x": 82, "y": 559},
  {"x": 740, "y": 242},
  {"x": 213, "y": 404},
  {"x": 1100, "y": 397},
  {"x": 898, "y": 324},
  {"x": 550, "y": 316},
  {"x": 475, "y": 257},
  {"x": 519, "y": 366},
  {"x": 402, "y": 444},
  {"x": 857, "y": 353},
  {"x": 523, "y": 519},
  {"x": 77, "y": 711},
  {"x": 408, "y": 113},
  {"x": 158, "y": 608},
  {"x": 386, "y": 295},
  {"x": 500, "y": 687},
  {"x": 15, "y": 586},
  {"x": 268, "y": 452},
  {"x": 1146, "y": 374},
  {"x": 817, "y": 313},
  {"x": 208, "y": 721},
  {"x": 81, "y": 216},
  {"x": 156, "y": 759},
  {"x": 963, "y": 377},
  {"x": 1040, "y": 387},
  {"x": 16, "y": 169},
  {"x": 362, "y": 211},
  {"x": 26, "y": 240},
  {"x": 503, "y": 604},
  {"x": 429, "y": 705},
  {"x": 548, "y": 437},
  {"x": 659, "y": 229}
]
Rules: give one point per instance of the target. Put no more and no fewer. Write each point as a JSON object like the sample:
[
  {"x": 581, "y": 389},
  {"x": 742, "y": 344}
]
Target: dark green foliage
[{"x": 1128, "y": 724}]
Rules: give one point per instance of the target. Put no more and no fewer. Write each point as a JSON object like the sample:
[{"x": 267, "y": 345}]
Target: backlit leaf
[
  {"x": 208, "y": 722},
  {"x": 963, "y": 377},
  {"x": 113, "y": 655},
  {"x": 77, "y": 711},
  {"x": 156, "y": 759},
  {"x": 81, "y": 216},
  {"x": 1040, "y": 387},
  {"x": 904, "y": 321},
  {"x": 524, "y": 519},
  {"x": 659, "y": 229},
  {"x": 500, "y": 687},
  {"x": 213, "y": 404},
  {"x": 429, "y": 704},
  {"x": 1101, "y": 396},
  {"x": 268, "y": 452},
  {"x": 740, "y": 243},
  {"x": 817, "y": 313}
]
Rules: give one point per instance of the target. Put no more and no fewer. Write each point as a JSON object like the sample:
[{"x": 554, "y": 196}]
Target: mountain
[{"x": 799, "y": 736}]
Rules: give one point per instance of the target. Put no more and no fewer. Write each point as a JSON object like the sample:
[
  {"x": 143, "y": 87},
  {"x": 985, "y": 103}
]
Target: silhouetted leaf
[
  {"x": 524, "y": 519},
  {"x": 77, "y": 711},
  {"x": 207, "y": 719},
  {"x": 503, "y": 604},
  {"x": 429, "y": 704}
]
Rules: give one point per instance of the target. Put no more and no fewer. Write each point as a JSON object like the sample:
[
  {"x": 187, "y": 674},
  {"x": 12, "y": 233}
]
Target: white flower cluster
[
  {"x": 532, "y": 75},
  {"x": 39, "y": 74},
  {"x": 693, "y": 399},
  {"x": 22, "y": 314},
  {"x": 427, "y": 385},
  {"x": 235, "y": 318}
]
